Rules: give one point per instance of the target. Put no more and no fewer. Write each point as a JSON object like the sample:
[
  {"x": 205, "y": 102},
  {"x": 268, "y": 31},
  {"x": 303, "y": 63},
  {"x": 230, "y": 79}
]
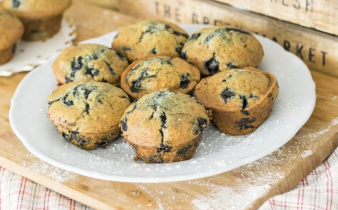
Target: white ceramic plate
[{"x": 217, "y": 152}]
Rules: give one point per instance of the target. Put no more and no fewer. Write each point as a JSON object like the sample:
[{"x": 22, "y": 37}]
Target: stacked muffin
[
  {"x": 164, "y": 123},
  {"x": 31, "y": 20}
]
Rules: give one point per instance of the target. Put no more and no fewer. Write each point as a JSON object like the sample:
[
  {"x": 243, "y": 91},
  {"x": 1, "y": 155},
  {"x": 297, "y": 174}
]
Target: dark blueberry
[
  {"x": 95, "y": 57},
  {"x": 164, "y": 148},
  {"x": 120, "y": 56},
  {"x": 185, "y": 79},
  {"x": 245, "y": 112},
  {"x": 231, "y": 66},
  {"x": 50, "y": 103},
  {"x": 270, "y": 95},
  {"x": 212, "y": 65},
  {"x": 34, "y": 31},
  {"x": 224, "y": 80},
  {"x": 227, "y": 94},
  {"x": 163, "y": 118},
  {"x": 244, "y": 123},
  {"x": 123, "y": 124},
  {"x": 222, "y": 32},
  {"x": 67, "y": 80},
  {"x": 123, "y": 97},
  {"x": 64, "y": 135},
  {"x": 244, "y": 102},
  {"x": 66, "y": 101},
  {"x": 102, "y": 51},
  {"x": 179, "y": 48},
  {"x": 184, "y": 55},
  {"x": 126, "y": 48},
  {"x": 136, "y": 85},
  {"x": 104, "y": 142},
  {"x": 111, "y": 70},
  {"x": 99, "y": 100},
  {"x": 16, "y": 3},
  {"x": 181, "y": 34},
  {"x": 92, "y": 72},
  {"x": 87, "y": 108},
  {"x": 154, "y": 51},
  {"x": 166, "y": 61},
  {"x": 104, "y": 80},
  {"x": 76, "y": 65},
  {"x": 86, "y": 93},
  {"x": 167, "y": 26},
  {"x": 183, "y": 150},
  {"x": 195, "y": 36},
  {"x": 200, "y": 126}
]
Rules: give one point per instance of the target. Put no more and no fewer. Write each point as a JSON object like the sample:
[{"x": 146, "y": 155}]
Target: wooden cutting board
[{"x": 246, "y": 187}]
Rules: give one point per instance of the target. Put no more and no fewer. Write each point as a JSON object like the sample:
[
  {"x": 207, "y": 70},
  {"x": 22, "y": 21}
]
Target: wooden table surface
[{"x": 246, "y": 187}]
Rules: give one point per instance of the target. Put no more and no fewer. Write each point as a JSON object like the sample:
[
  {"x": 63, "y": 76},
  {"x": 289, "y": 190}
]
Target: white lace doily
[{"x": 29, "y": 55}]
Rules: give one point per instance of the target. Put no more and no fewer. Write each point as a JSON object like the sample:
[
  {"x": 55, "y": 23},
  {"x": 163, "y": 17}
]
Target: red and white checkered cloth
[{"x": 318, "y": 191}]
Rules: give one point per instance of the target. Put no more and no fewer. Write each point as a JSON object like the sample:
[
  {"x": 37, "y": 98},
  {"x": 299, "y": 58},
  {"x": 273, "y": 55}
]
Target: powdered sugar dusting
[
  {"x": 52, "y": 172},
  {"x": 229, "y": 198}
]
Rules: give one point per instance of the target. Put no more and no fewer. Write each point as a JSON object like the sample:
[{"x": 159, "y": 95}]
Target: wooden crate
[
  {"x": 319, "y": 14},
  {"x": 318, "y": 50}
]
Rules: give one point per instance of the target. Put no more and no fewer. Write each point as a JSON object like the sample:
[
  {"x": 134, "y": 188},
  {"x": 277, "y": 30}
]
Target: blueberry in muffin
[
  {"x": 11, "y": 30},
  {"x": 88, "y": 114},
  {"x": 219, "y": 48},
  {"x": 240, "y": 99},
  {"x": 89, "y": 62},
  {"x": 41, "y": 18},
  {"x": 164, "y": 126},
  {"x": 150, "y": 37},
  {"x": 159, "y": 72}
]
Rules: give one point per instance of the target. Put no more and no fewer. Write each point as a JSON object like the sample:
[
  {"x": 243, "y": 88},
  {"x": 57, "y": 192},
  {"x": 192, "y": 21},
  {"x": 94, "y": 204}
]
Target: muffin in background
[
  {"x": 159, "y": 72},
  {"x": 41, "y": 18},
  {"x": 87, "y": 114},
  {"x": 150, "y": 37},
  {"x": 219, "y": 48},
  {"x": 89, "y": 62},
  {"x": 164, "y": 126},
  {"x": 11, "y": 30},
  {"x": 240, "y": 99}
]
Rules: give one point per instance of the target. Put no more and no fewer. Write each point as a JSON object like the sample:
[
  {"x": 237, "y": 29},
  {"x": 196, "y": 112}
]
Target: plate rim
[{"x": 129, "y": 179}]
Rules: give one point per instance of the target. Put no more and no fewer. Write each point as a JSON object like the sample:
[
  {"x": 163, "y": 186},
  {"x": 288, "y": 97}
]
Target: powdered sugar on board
[{"x": 45, "y": 169}]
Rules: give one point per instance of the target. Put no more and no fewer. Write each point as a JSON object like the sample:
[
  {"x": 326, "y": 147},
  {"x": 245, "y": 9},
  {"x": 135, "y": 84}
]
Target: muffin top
[
  {"x": 11, "y": 30},
  {"x": 158, "y": 72},
  {"x": 92, "y": 107},
  {"x": 217, "y": 49},
  {"x": 36, "y": 8},
  {"x": 234, "y": 90},
  {"x": 139, "y": 39},
  {"x": 89, "y": 62},
  {"x": 164, "y": 119}
]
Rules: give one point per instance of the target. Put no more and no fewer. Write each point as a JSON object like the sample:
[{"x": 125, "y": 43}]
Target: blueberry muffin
[
  {"x": 89, "y": 62},
  {"x": 41, "y": 18},
  {"x": 158, "y": 72},
  {"x": 240, "y": 99},
  {"x": 11, "y": 30},
  {"x": 164, "y": 126},
  {"x": 88, "y": 114},
  {"x": 217, "y": 49},
  {"x": 137, "y": 40}
]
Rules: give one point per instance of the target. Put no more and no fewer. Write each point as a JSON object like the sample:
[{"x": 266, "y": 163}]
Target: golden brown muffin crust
[
  {"x": 158, "y": 72},
  {"x": 11, "y": 30},
  {"x": 140, "y": 39},
  {"x": 89, "y": 62},
  {"x": 219, "y": 48}
]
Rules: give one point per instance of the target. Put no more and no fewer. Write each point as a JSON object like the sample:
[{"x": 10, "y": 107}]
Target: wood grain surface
[
  {"x": 318, "y": 50},
  {"x": 246, "y": 187},
  {"x": 318, "y": 14}
]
